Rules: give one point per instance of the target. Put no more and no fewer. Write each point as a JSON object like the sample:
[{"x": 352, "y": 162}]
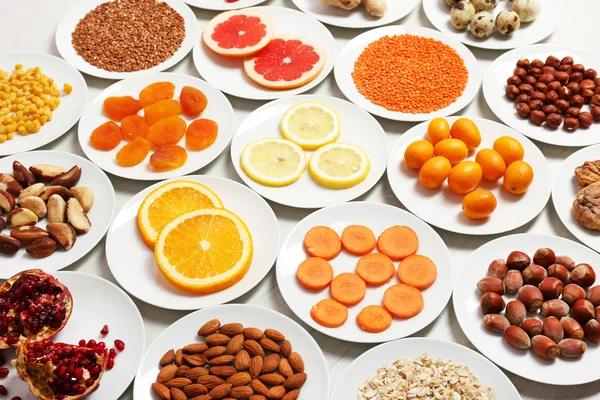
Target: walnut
[
  {"x": 588, "y": 173},
  {"x": 586, "y": 207}
]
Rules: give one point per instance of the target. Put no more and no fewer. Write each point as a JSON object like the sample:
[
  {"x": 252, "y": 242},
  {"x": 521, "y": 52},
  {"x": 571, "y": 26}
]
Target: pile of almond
[
  {"x": 233, "y": 363},
  {"x": 26, "y": 199}
]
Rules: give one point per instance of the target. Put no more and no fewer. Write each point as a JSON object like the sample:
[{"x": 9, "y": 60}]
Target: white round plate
[
  {"x": 512, "y": 210},
  {"x": 223, "y": 5},
  {"x": 492, "y": 345},
  {"x": 358, "y": 17},
  {"x": 378, "y": 217},
  {"x": 70, "y": 20},
  {"x": 368, "y": 363},
  {"x": 345, "y": 66},
  {"x": 438, "y": 14},
  {"x": 100, "y": 215},
  {"x": 564, "y": 191},
  {"x": 228, "y": 74},
  {"x": 133, "y": 264},
  {"x": 494, "y": 86},
  {"x": 108, "y": 305},
  {"x": 357, "y": 127},
  {"x": 219, "y": 109},
  {"x": 64, "y": 116},
  {"x": 183, "y": 332}
]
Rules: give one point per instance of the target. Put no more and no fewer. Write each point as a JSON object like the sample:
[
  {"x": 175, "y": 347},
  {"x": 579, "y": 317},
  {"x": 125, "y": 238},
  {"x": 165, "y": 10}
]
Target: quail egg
[
  {"x": 461, "y": 15},
  {"x": 482, "y": 24},
  {"x": 507, "y": 22},
  {"x": 484, "y": 5},
  {"x": 528, "y": 10},
  {"x": 450, "y": 3}
]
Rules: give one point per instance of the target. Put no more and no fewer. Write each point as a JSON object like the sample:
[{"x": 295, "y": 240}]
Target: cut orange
[
  {"x": 168, "y": 202},
  {"x": 204, "y": 251}
]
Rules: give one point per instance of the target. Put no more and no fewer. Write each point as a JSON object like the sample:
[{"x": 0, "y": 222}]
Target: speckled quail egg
[
  {"x": 482, "y": 24},
  {"x": 461, "y": 15},
  {"x": 507, "y": 22},
  {"x": 450, "y": 3},
  {"x": 484, "y": 5},
  {"x": 528, "y": 10}
]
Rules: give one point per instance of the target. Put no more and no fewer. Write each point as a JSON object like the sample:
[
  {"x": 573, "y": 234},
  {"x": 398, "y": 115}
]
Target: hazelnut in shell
[{"x": 553, "y": 121}]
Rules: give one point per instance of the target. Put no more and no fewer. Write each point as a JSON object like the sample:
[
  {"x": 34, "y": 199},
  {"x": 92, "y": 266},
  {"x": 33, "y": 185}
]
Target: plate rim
[{"x": 222, "y": 8}]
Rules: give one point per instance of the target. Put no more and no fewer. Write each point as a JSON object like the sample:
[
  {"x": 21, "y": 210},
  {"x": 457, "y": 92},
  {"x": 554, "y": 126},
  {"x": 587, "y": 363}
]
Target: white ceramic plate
[
  {"x": 70, "y": 20},
  {"x": 357, "y": 127},
  {"x": 222, "y": 5},
  {"x": 108, "y": 305},
  {"x": 100, "y": 215},
  {"x": 438, "y": 14},
  {"x": 492, "y": 345},
  {"x": 512, "y": 210},
  {"x": 228, "y": 74},
  {"x": 494, "y": 86},
  {"x": 357, "y": 18},
  {"x": 378, "y": 217},
  {"x": 64, "y": 116},
  {"x": 345, "y": 66},
  {"x": 368, "y": 363},
  {"x": 564, "y": 191},
  {"x": 133, "y": 264},
  {"x": 184, "y": 331},
  {"x": 219, "y": 109}
]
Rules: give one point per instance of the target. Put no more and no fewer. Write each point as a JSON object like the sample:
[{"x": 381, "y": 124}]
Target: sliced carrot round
[
  {"x": 398, "y": 242},
  {"x": 403, "y": 301},
  {"x": 358, "y": 240},
  {"x": 323, "y": 242},
  {"x": 348, "y": 288},
  {"x": 314, "y": 273},
  {"x": 329, "y": 313},
  {"x": 375, "y": 269},
  {"x": 374, "y": 319},
  {"x": 418, "y": 271}
]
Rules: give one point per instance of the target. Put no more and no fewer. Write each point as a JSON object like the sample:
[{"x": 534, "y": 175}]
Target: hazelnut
[
  {"x": 544, "y": 257},
  {"x": 597, "y": 82},
  {"x": 547, "y": 79},
  {"x": 566, "y": 61},
  {"x": 578, "y": 68},
  {"x": 531, "y": 297},
  {"x": 549, "y": 109},
  {"x": 587, "y": 95},
  {"x": 590, "y": 74},
  {"x": 524, "y": 88},
  {"x": 544, "y": 347},
  {"x": 536, "y": 72},
  {"x": 556, "y": 308},
  {"x": 538, "y": 63},
  {"x": 495, "y": 322},
  {"x": 518, "y": 260},
  {"x": 515, "y": 312},
  {"x": 523, "y": 110},
  {"x": 576, "y": 77},
  {"x": 564, "y": 93},
  {"x": 524, "y": 63},
  {"x": 534, "y": 274},
  {"x": 587, "y": 84},
  {"x": 554, "y": 120},
  {"x": 566, "y": 261},
  {"x": 517, "y": 337},
  {"x": 562, "y": 77},
  {"x": 553, "y": 61},
  {"x": 593, "y": 295},
  {"x": 585, "y": 119},
  {"x": 583, "y": 275},
  {"x": 538, "y": 96},
  {"x": 491, "y": 284},
  {"x": 595, "y": 100},
  {"x": 553, "y": 329},
  {"x": 595, "y": 111},
  {"x": 597, "y": 91},
  {"x": 565, "y": 68},
  {"x": 536, "y": 104},
  {"x": 551, "y": 288},
  {"x": 549, "y": 70},
  {"x": 571, "y": 124},
  {"x": 582, "y": 311},
  {"x": 491, "y": 303},
  {"x": 577, "y": 101},
  {"x": 551, "y": 96},
  {"x": 562, "y": 105},
  {"x": 574, "y": 87},
  {"x": 572, "y": 328},
  {"x": 520, "y": 72},
  {"x": 532, "y": 326},
  {"x": 530, "y": 79},
  {"x": 514, "y": 80},
  {"x": 592, "y": 331},
  {"x": 572, "y": 112},
  {"x": 537, "y": 117},
  {"x": 522, "y": 98},
  {"x": 512, "y": 92},
  {"x": 497, "y": 268},
  {"x": 572, "y": 292},
  {"x": 559, "y": 272},
  {"x": 513, "y": 281}
]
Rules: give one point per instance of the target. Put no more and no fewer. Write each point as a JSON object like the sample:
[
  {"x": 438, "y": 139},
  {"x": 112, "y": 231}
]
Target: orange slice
[{"x": 204, "y": 251}]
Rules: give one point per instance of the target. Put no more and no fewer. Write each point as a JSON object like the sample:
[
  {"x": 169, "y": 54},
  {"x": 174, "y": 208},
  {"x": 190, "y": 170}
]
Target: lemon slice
[
  {"x": 204, "y": 251},
  {"x": 339, "y": 165},
  {"x": 273, "y": 161},
  {"x": 310, "y": 125}
]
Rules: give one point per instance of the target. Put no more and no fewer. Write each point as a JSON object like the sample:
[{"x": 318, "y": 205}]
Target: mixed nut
[
  {"x": 555, "y": 286},
  {"x": 232, "y": 363},
  {"x": 26, "y": 200}
]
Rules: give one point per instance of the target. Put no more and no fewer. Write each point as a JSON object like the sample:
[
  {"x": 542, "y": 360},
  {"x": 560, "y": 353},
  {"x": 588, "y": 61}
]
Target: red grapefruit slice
[
  {"x": 288, "y": 62},
  {"x": 238, "y": 33}
]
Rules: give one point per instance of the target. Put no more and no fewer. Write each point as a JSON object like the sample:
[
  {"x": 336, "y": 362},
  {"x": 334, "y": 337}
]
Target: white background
[{"x": 29, "y": 25}]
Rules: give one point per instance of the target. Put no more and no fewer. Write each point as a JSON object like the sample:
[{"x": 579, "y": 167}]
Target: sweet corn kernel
[{"x": 67, "y": 88}]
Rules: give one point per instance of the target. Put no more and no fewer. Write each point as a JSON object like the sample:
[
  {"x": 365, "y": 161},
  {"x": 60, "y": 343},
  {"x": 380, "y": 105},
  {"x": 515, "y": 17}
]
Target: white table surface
[{"x": 29, "y": 25}]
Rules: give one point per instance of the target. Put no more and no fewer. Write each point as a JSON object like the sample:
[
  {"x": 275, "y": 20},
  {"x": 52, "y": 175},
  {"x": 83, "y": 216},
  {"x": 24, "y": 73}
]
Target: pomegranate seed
[
  {"x": 112, "y": 353},
  {"x": 120, "y": 345},
  {"x": 110, "y": 364},
  {"x": 16, "y": 398},
  {"x": 3, "y": 390},
  {"x": 104, "y": 330},
  {"x": 101, "y": 345},
  {"x": 92, "y": 343},
  {"x": 3, "y": 372},
  {"x": 82, "y": 343}
]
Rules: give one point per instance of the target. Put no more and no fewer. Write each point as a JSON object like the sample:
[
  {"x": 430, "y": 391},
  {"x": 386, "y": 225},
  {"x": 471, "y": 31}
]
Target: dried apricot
[
  {"x": 193, "y": 101},
  {"x": 166, "y": 131},
  {"x": 119, "y": 107},
  {"x": 161, "y": 109},
  {"x": 134, "y": 126},
  {"x": 106, "y": 137},
  {"x": 168, "y": 157},
  {"x": 156, "y": 92},
  {"x": 201, "y": 134},
  {"x": 133, "y": 152}
]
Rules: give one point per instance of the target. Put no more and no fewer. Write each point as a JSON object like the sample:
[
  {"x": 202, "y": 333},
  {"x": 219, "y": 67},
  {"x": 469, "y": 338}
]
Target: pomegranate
[
  {"x": 33, "y": 305},
  {"x": 59, "y": 371}
]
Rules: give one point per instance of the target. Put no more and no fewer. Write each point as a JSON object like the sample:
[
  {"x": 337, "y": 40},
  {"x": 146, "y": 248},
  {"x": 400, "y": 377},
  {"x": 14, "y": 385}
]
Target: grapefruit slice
[
  {"x": 288, "y": 62},
  {"x": 238, "y": 33}
]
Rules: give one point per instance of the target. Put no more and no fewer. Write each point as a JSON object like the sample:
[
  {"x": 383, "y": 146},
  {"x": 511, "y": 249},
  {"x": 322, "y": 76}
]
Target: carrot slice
[
  {"x": 358, "y": 240},
  {"x": 322, "y": 242},
  {"x": 329, "y": 313},
  {"x": 398, "y": 242},
  {"x": 374, "y": 319},
  {"x": 418, "y": 271},
  {"x": 314, "y": 273},
  {"x": 403, "y": 301},
  {"x": 347, "y": 288},
  {"x": 375, "y": 269}
]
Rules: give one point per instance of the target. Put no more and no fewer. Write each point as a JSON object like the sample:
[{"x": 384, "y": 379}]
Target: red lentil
[{"x": 410, "y": 74}]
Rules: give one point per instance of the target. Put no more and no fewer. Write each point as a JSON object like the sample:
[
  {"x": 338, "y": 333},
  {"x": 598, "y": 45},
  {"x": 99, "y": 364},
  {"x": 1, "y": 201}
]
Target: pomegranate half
[
  {"x": 34, "y": 306},
  {"x": 59, "y": 371}
]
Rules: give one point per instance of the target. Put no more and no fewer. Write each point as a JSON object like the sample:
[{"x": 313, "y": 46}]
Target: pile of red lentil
[
  {"x": 129, "y": 35},
  {"x": 410, "y": 74}
]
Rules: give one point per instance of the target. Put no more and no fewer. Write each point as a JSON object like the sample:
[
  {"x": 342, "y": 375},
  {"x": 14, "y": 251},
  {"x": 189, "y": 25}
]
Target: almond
[
  {"x": 231, "y": 329},
  {"x": 215, "y": 351},
  {"x": 242, "y": 360},
  {"x": 276, "y": 392},
  {"x": 217, "y": 339},
  {"x": 166, "y": 373},
  {"x": 195, "y": 389},
  {"x": 220, "y": 392},
  {"x": 296, "y": 362},
  {"x": 253, "y": 348},
  {"x": 235, "y": 344},
  {"x": 285, "y": 368},
  {"x": 202, "y": 397},
  {"x": 257, "y": 397},
  {"x": 259, "y": 387},
  {"x": 271, "y": 379},
  {"x": 196, "y": 373},
  {"x": 295, "y": 381},
  {"x": 270, "y": 363},
  {"x": 241, "y": 392},
  {"x": 182, "y": 371},
  {"x": 274, "y": 335},
  {"x": 239, "y": 379},
  {"x": 269, "y": 345},
  {"x": 179, "y": 357},
  {"x": 221, "y": 360},
  {"x": 209, "y": 328},
  {"x": 286, "y": 348},
  {"x": 162, "y": 391},
  {"x": 293, "y": 395},
  {"x": 223, "y": 371},
  {"x": 179, "y": 383},
  {"x": 210, "y": 381},
  {"x": 177, "y": 394},
  {"x": 256, "y": 366},
  {"x": 253, "y": 333},
  {"x": 195, "y": 348},
  {"x": 196, "y": 360}
]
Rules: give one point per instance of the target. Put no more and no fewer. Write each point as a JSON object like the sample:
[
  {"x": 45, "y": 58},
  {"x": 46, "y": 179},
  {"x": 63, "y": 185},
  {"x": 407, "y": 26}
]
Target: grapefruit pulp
[
  {"x": 238, "y": 33},
  {"x": 287, "y": 62}
]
